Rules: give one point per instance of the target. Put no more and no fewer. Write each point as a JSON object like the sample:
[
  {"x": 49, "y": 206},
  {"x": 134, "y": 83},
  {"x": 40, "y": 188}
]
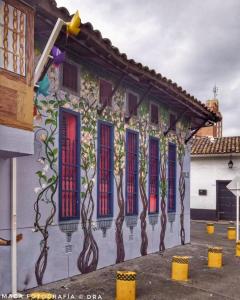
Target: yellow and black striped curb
[
  {"x": 210, "y": 224},
  {"x": 126, "y": 276},
  {"x": 180, "y": 259},
  {"x": 231, "y": 228},
  {"x": 215, "y": 249}
]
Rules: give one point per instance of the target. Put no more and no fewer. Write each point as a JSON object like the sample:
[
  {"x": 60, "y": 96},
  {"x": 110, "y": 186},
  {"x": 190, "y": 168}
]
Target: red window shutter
[
  {"x": 70, "y": 76},
  {"x": 105, "y": 93},
  {"x": 154, "y": 114},
  {"x": 69, "y": 160},
  {"x": 132, "y": 104}
]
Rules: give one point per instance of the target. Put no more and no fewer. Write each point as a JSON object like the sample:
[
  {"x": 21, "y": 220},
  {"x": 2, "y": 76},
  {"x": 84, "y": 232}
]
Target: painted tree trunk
[
  {"x": 163, "y": 205},
  {"x": 119, "y": 221},
  {"x": 144, "y": 237},
  {"x": 88, "y": 258},
  {"x": 181, "y": 189}
]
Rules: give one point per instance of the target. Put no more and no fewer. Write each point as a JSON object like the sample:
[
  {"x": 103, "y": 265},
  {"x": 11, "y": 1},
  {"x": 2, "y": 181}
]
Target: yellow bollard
[
  {"x": 210, "y": 228},
  {"x": 180, "y": 268},
  {"x": 238, "y": 248},
  {"x": 231, "y": 234},
  {"x": 215, "y": 257},
  {"x": 126, "y": 285},
  {"x": 41, "y": 296}
]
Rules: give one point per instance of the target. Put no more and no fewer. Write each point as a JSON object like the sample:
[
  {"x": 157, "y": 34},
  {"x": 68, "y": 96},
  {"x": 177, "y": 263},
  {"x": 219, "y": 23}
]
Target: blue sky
[{"x": 194, "y": 43}]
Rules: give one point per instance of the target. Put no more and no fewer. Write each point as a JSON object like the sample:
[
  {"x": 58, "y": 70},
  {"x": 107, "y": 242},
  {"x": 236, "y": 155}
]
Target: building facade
[
  {"x": 214, "y": 163},
  {"x": 109, "y": 178}
]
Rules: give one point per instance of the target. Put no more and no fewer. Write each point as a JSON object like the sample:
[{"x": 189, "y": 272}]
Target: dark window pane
[
  {"x": 70, "y": 76},
  {"x": 154, "y": 114},
  {"x": 132, "y": 104},
  {"x": 172, "y": 122},
  {"x": 105, "y": 93}
]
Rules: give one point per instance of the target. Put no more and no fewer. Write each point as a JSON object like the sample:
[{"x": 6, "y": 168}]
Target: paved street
[{"x": 153, "y": 273}]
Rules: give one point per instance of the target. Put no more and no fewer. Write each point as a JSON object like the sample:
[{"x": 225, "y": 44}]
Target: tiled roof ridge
[
  {"x": 216, "y": 145},
  {"x": 88, "y": 26}
]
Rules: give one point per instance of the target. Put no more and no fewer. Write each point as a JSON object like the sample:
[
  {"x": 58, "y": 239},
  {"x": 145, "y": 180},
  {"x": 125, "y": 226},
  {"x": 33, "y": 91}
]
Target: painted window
[
  {"x": 132, "y": 147},
  {"x": 153, "y": 175},
  {"x": 154, "y": 113},
  {"x": 105, "y": 93},
  {"x": 12, "y": 39},
  {"x": 69, "y": 164},
  {"x": 172, "y": 121},
  {"x": 132, "y": 104},
  {"x": 70, "y": 76},
  {"x": 172, "y": 167},
  {"x": 105, "y": 169}
]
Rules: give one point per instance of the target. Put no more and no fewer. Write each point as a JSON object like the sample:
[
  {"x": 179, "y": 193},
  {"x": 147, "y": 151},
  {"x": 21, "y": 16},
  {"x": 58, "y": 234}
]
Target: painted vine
[
  {"x": 47, "y": 177},
  {"x": 88, "y": 258},
  {"x": 119, "y": 160},
  {"x": 181, "y": 136}
]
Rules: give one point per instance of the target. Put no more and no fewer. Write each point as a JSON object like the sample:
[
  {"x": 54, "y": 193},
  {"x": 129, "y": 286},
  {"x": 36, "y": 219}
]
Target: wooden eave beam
[{"x": 175, "y": 123}]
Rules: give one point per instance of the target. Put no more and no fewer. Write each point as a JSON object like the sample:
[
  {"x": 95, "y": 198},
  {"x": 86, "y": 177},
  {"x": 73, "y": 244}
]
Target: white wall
[{"x": 204, "y": 173}]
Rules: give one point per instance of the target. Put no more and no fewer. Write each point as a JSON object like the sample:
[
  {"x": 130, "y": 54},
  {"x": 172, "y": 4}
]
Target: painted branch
[
  {"x": 182, "y": 196},
  {"x": 163, "y": 204},
  {"x": 119, "y": 221}
]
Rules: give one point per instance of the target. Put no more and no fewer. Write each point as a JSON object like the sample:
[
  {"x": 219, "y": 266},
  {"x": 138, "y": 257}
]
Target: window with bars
[
  {"x": 105, "y": 169},
  {"x": 105, "y": 93},
  {"x": 153, "y": 175},
  {"x": 172, "y": 121},
  {"x": 70, "y": 76},
  {"x": 69, "y": 165},
  {"x": 132, "y": 147},
  {"x": 13, "y": 33},
  {"x": 132, "y": 104},
  {"x": 172, "y": 168},
  {"x": 154, "y": 113}
]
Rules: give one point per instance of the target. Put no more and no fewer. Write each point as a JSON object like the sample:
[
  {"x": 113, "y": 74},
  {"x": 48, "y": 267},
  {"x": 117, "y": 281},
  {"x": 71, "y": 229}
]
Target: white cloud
[{"x": 194, "y": 43}]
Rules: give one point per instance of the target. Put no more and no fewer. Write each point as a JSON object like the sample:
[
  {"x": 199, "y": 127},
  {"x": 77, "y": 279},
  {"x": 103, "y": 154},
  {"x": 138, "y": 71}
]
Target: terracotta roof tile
[{"x": 223, "y": 145}]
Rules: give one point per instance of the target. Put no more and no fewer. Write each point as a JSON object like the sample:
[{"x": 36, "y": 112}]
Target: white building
[{"x": 214, "y": 163}]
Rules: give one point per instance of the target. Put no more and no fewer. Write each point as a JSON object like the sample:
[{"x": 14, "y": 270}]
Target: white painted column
[{"x": 14, "y": 224}]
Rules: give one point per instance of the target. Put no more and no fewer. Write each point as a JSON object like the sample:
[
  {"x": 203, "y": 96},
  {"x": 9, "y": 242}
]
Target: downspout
[{"x": 14, "y": 225}]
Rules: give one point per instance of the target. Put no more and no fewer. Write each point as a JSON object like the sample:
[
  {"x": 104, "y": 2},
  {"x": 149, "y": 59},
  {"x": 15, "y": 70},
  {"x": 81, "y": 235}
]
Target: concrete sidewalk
[{"x": 153, "y": 273}]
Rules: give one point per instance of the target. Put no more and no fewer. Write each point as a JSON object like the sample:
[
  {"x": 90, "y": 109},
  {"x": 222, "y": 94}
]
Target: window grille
[
  {"x": 105, "y": 169},
  {"x": 69, "y": 163},
  {"x": 132, "y": 172},
  {"x": 153, "y": 175}
]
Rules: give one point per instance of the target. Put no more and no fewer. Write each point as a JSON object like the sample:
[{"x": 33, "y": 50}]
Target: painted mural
[{"x": 46, "y": 128}]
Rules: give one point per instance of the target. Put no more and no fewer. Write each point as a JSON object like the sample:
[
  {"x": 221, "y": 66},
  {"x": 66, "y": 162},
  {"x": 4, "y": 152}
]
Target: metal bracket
[{"x": 196, "y": 130}]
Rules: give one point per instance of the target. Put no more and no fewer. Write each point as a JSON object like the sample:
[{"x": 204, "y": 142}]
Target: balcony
[{"x": 16, "y": 78}]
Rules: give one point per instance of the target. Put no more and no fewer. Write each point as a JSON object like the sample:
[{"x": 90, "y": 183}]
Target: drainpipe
[{"x": 14, "y": 224}]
